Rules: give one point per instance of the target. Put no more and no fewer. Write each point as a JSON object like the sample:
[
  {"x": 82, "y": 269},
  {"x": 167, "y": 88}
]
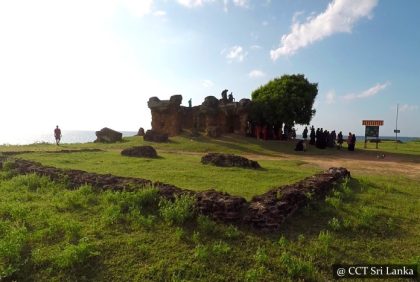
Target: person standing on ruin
[{"x": 57, "y": 135}]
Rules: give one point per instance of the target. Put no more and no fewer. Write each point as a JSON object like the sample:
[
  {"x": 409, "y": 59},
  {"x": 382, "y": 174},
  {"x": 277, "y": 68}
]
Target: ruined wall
[
  {"x": 265, "y": 212},
  {"x": 212, "y": 116}
]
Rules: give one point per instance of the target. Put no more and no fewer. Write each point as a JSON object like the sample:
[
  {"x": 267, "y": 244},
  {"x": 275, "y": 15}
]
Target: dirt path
[{"x": 359, "y": 162}]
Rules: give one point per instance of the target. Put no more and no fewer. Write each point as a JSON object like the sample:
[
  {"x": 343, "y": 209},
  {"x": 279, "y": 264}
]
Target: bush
[
  {"x": 142, "y": 199},
  {"x": 256, "y": 274},
  {"x": 73, "y": 256},
  {"x": 31, "y": 182},
  {"x": 139, "y": 220},
  {"x": 232, "y": 232},
  {"x": 178, "y": 211},
  {"x": 220, "y": 249},
  {"x": 206, "y": 225},
  {"x": 12, "y": 244},
  {"x": 297, "y": 268},
  {"x": 261, "y": 256},
  {"x": 78, "y": 199},
  {"x": 201, "y": 252},
  {"x": 334, "y": 223}
]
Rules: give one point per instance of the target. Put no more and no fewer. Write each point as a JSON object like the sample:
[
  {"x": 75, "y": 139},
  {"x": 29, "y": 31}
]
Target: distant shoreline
[{"x": 86, "y": 136}]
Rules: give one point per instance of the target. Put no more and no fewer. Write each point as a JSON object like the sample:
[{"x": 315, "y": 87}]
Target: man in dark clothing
[
  {"x": 312, "y": 136},
  {"x": 340, "y": 140},
  {"x": 305, "y": 133},
  {"x": 57, "y": 135}
]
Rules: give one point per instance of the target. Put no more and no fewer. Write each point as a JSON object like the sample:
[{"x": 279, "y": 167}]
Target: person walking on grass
[{"x": 57, "y": 135}]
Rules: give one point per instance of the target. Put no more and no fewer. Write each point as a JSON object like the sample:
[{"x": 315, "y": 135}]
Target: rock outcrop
[
  {"x": 107, "y": 135},
  {"x": 229, "y": 160},
  {"x": 213, "y": 117},
  {"x": 140, "y": 152},
  {"x": 154, "y": 136}
]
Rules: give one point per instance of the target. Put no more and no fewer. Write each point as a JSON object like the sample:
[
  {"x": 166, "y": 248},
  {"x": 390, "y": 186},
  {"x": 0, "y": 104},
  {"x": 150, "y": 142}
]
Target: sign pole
[{"x": 396, "y": 130}]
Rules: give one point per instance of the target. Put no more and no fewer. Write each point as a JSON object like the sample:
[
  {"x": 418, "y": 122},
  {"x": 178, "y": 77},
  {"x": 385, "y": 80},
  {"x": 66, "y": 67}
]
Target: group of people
[{"x": 322, "y": 139}]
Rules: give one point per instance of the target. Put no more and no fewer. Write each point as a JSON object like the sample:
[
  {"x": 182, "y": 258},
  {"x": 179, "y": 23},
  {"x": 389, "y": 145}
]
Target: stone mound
[
  {"x": 229, "y": 160},
  {"x": 108, "y": 135},
  {"x": 153, "y": 136},
  {"x": 140, "y": 152}
]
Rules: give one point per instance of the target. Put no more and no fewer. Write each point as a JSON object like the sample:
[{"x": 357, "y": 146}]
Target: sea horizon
[{"x": 86, "y": 136}]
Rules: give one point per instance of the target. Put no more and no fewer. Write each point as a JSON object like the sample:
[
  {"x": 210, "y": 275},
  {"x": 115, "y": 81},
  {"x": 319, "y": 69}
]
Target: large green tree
[{"x": 288, "y": 99}]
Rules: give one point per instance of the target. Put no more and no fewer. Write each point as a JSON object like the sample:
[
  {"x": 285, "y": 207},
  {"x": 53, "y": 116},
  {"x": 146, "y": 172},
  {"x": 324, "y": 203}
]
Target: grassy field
[{"x": 50, "y": 233}]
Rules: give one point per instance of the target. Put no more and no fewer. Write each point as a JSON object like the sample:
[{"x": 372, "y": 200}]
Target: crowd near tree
[{"x": 285, "y": 102}]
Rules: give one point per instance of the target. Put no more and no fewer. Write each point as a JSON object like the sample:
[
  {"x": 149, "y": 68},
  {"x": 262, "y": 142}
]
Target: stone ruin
[
  {"x": 264, "y": 212},
  {"x": 108, "y": 135},
  {"x": 140, "y": 152},
  {"x": 229, "y": 160},
  {"x": 213, "y": 117}
]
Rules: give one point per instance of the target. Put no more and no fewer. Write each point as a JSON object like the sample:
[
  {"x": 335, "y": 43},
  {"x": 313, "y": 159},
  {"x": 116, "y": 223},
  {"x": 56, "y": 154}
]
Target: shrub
[
  {"x": 282, "y": 242},
  {"x": 206, "y": 225},
  {"x": 201, "y": 252},
  {"x": 366, "y": 216},
  {"x": 73, "y": 256},
  {"x": 334, "y": 223},
  {"x": 232, "y": 232},
  {"x": 220, "y": 248},
  {"x": 261, "y": 256},
  {"x": 142, "y": 199},
  {"x": 78, "y": 199},
  {"x": 178, "y": 211},
  {"x": 179, "y": 233},
  {"x": 333, "y": 201},
  {"x": 297, "y": 268},
  {"x": 12, "y": 243},
  {"x": 31, "y": 182},
  {"x": 139, "y": 220},
  {"x": 112, "y": 215},
  {"x": 324, "y": 241},
  {"x": 256, "y": 274}
]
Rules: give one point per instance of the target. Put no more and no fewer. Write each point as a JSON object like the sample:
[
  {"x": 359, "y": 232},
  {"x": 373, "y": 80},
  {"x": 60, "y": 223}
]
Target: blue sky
[{"x": 90, "y": 64}]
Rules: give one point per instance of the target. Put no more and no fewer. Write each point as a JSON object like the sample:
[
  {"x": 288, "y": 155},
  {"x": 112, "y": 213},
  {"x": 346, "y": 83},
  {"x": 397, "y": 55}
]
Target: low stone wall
[{"x": 267, "y": 211}]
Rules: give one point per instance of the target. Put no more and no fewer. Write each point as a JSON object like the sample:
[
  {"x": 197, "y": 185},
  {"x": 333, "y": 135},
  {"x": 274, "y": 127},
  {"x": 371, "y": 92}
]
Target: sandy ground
[{"x": 359, "y": 162}]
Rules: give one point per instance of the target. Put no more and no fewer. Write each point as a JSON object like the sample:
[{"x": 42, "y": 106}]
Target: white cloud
[
  {"x": 193, "y": 3},
  {"x": 407, "y": 108},
  {"x": 159, "y": 13},
  {"x": 367, "y": 93},
  {"x": 340, "y": 16},
  {"x": 256, "y": 74},
  {"x": 330, "y": 97},
  {"x": 235, "y": 54},
  {"x": 206, "y": 83},
  {"x": 255, "y": 47},
  {"x": 241, "y": 3},
  {"x": 139, "y": 8}
]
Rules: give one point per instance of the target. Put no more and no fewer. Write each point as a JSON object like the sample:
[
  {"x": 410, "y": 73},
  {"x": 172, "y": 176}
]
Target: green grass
[
  {"x": 184, "y": 170},
  {"x": 49, "y": 233}
]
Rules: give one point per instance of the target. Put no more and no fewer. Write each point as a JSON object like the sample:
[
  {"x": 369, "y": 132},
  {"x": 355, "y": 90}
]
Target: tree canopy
[{"x": 288, "y": 99}]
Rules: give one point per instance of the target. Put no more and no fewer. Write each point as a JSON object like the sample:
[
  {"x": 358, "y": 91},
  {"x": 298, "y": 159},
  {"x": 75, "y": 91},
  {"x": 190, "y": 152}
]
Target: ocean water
[
  {"x": 79, "y": 136},
  {"x": 68, "y": 136}
]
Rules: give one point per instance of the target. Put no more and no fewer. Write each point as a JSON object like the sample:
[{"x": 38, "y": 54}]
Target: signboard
[
  {"x": 397, "y": 131},
  {"x": 372, "y": 131},
  {"x": 373, "y": 122}
]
